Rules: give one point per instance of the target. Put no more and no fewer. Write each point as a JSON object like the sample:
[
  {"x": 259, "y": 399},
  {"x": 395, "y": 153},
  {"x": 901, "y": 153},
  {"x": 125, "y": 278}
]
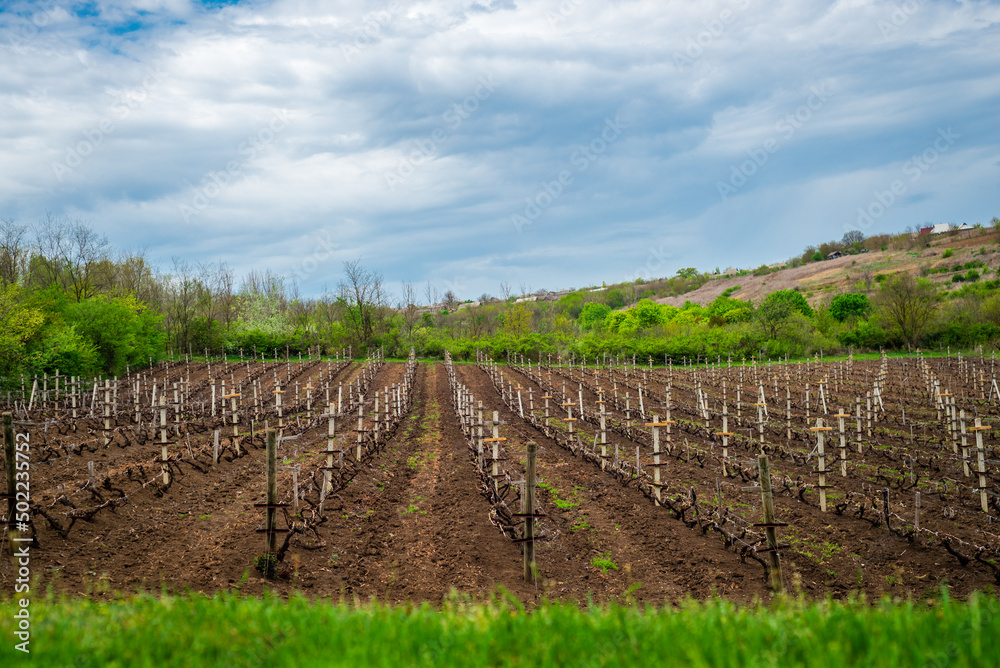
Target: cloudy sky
[{"x": 549, "y": 143}]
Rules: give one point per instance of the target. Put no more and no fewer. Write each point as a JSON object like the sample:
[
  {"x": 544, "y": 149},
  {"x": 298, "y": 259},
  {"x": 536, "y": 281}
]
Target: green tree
[
  {"x": 517, "y": 320},
  {"x": 615, "y": 299},
  {"x": 850, "y": 305},
  {"x": 648, "y": 314},
  {"x": 908, "y": 304},
  {"x": 18, "y": 324},
  {"x": 778, "y": 307},
  {"x": 122, "y": 330},
  {"x": 687, "y": 272},
  {"x": 593, "y": 315},
  {"x": 794, "y": 300}
]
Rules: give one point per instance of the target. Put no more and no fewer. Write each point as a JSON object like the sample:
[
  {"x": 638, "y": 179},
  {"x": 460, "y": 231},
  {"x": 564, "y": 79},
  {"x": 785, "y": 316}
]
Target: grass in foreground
[{"x": 231, "y": 631}]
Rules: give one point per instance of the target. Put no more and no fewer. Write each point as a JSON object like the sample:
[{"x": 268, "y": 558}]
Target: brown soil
[
  {"x": 829, "y": 553},
  {"x": 412, "y": 524}
]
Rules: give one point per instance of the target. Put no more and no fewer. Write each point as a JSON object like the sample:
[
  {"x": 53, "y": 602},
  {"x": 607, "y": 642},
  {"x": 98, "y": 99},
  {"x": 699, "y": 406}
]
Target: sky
[{"x": 549, "y": 144}]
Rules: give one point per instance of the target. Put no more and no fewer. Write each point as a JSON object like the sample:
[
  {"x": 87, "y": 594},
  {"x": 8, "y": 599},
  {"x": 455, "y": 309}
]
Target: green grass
[
  {"x": 233, "y": 631},
  {"x": 604, "y": 562},
  {"x": 562, "y": 504}
]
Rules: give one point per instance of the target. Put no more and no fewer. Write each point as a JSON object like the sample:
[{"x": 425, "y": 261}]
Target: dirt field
[{"x": 410, "y": 522}]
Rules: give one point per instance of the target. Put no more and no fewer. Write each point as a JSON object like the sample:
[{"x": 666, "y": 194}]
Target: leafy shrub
[
  {"x": 615, "y": 298},
  {"x": 792, "y": 298},
  {"x": 865, "y": 335},
  {"x": 122, "y": 330},
  {"x": 851, "y": 304},
  {"x": 65, "y": 350},
  {"x": 593, "y": 315},
  {"x": 948, "y": 253}
]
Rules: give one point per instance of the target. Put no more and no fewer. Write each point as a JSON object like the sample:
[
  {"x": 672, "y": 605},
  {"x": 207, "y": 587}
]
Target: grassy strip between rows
[{"x": 233, "y": 631}]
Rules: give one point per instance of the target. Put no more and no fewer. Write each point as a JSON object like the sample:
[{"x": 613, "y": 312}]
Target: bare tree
[
  {"x": 362, "y": 289},
  {"x": 431, "y": 293},
  {"x": 72, "y": 255},
  {"x": 505, "y": 291},
  {"x": 134, "y": 275},
  {"x": 408, "y": 307},
  {"x": 266, "y": 284},
  {"x": 224, "y": 282},
  {"x": 450, "y": 300},
  {"x": 867, "y": 277},
  {"x": 14, "y": 252},
  {"x": 183, "y": 297},
  {"x": 852, "y": 237}
]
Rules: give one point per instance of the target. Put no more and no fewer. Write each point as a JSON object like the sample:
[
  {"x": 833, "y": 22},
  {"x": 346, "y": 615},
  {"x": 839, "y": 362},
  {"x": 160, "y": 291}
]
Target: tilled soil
[
  {"x": 413, "y": 525},
  {"x": 828, "y": 553}
]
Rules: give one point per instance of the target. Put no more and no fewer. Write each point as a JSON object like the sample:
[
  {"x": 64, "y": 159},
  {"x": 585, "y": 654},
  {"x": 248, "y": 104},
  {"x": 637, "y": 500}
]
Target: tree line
[{"x": 71, "y": 302}]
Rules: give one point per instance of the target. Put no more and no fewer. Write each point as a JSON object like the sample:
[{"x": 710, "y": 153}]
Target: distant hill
[{"x": 826, "y": 278}]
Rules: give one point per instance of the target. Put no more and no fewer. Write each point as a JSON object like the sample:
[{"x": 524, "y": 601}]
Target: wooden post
[
  {"x": 479, "y": 434},
  {"x": 868, "y": 399},
  {"x": 981, "y": 455},
  {"x": 857, "y": 401},
  {"x": 529, "y": 512},
  {"x": 725, "y": 434},
  {"x": 788, "y": 411},
  {"x": 569, "y": 419},
  {"x": 107, "y": 412},
  {"x": 965, "y": 446},
  {"x": 770, "y": 523},
  {"x": 821, "y": 454},
  {"x": 164, "y": 456},
  {"x": 760, "y": 424},
  {"x": 495, "y": 441},
  {"x": 655, "y": 425},
  {"x": 841, "y": 416},
  {"x": 361, "y": 426},
  {"x": 271, "y": 512},
  {"x": 215, "y": 448}
]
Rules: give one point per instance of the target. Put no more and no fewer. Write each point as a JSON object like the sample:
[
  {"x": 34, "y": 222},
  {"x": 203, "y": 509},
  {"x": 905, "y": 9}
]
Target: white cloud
[{"x": 366, "y": 85}]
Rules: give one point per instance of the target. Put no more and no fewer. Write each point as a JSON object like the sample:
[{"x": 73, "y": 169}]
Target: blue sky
[{"x": 548, "y": 144}]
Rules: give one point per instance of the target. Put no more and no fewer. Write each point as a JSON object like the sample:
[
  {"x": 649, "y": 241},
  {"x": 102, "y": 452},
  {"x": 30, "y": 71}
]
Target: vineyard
[{"x": 403, "y": 479}]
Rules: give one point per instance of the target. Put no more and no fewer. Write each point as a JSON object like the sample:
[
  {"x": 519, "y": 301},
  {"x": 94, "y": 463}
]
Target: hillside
[{"x": 820, "y": 280}]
